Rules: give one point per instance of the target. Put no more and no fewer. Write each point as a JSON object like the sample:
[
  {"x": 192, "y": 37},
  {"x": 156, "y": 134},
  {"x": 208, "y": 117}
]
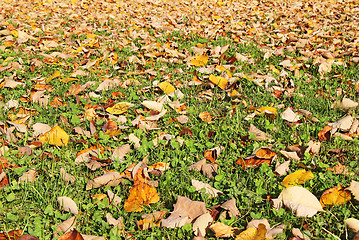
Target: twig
[{"x": 335, "y": 236}]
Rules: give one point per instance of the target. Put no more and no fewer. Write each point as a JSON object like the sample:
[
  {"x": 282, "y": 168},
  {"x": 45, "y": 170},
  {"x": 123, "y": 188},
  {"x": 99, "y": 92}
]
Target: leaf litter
[{"x": 76, "y": 69}]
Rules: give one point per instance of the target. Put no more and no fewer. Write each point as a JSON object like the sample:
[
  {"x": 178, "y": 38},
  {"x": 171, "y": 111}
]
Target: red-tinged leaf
[
  {"x": 11, "y": 235},
  {"x": 186, "y": 131},
  {"x": 324, "y": 135},
  {"x": 252, "y": 161},
  {"x": 72, "y": 235}
]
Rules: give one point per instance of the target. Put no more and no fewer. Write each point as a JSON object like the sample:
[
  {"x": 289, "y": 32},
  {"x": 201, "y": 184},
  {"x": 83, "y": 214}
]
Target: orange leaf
[
  {"x": 55, "y": 75},
  {"x": 253, "y": 161},
  {"x": 324, "y": 135},
  {"x": 11, "y": 235},
  {"x": 57, "y": 102},
  {"x": 265, "y": 152},
  {"x": 144, "y": 224},
  {"x": 68, "y": 79},
  {"x": 72, "y": 235},
  {"x": 56, "y": 136},
  {"x": 140, "y": 195},
  {"x": 335, "y": 196},
  {"x": 206, "y": 117}
]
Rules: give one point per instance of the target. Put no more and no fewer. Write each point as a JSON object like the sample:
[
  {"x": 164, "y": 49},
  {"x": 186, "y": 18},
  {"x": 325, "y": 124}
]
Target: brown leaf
[
  {"x": 72, "y": 235},
  {"x": 324, "y": 135},
  {"x": 11, "y": 235}
]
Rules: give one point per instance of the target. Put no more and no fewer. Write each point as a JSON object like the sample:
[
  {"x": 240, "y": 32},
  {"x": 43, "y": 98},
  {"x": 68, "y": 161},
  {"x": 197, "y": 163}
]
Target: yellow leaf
[
  {"x": 206, "y": 117},
  {"x": 55, "y": 75},
  {"x": 68, "y": 79},
  {"x": 222, "y": 230},
  {"x": 56, "y": 136},
  {"x": 200, "y": 60},
  {"x": 297, "y": 178},
  {"x": 140, "y": 195},
  {"x": 219, "y": 81},
  {"x": 15, "y": 33},
  {"x": 335, "y": 196},
  {"x": 119, "y": 108},
  {"x": 272, "y": 67},
  {"x": 166, "y": 87},
  {"x": 269, "y": 110},
  {"x": 253, "y": 233},
  {"x": 221, "y": 68}
]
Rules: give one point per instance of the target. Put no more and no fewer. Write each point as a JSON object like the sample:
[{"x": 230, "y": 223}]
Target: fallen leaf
[
  {"x": 114, "y": 222},
  {"x": 28, "y": 176},
  {"x": 296, "y": 178},
  {"x": 352, "y": 224},
  {"x": 68, "y": 205},
  {"x": 290, "y": 116},
  {"x": 72, "y": 235},
  {"x": 10, "y": 235},
  {"x": 324, "y": 135},
  {"x": 66, "y": 177},
  {"x": 201, "y": 224},
  {"x": 298, "y": 199},
  {"x": 282, "y": 169},
  {"x": 208, "y": 188},
  {"x": 253, "y": 233},
  {"x": 119, "y": 108},
  {"x": 166, "y": 87},
  {"x": 354, "y": 189},
  {"x": 335, "y": 196},
  {"x": 339, "y": 169},
  {"x": 140, "y": 195},
  {"x": 108, "y": 179},
  {"x": 66, "y": 226},
  {"x": 223, "y": 231},
  {"x": 231, "y": 207},
  {"x": 259, "y": 135},
  {"x": 290, "y": 155},
  {"x": 185, "y": 211},
  {"x": 219, "y": 81},
  {"x": 344, "y": 104},
  {"x": 113, "y": 198},
  {"x": 199, "y": 61},
  {"x": 155, "y": 216},
  {"x": 270, "y": 232},
  {"x": 213, "y": 153},
  {"x": 120, "y": 152},
  {"x": 205, "y": 117},
  {"x": 56, "y": 136},
  {"x": 145, "y": 224}
]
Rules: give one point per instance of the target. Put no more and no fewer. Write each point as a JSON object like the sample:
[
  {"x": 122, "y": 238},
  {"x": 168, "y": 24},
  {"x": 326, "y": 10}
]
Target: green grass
[{"x": 33, "y": 206}]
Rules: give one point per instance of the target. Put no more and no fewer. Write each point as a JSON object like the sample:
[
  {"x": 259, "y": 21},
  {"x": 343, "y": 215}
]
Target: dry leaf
[
  {"x": 56, "y": 136},
  {"x": 345, "y": 104},
  {"x": 213, "y": 153},
  {"x": 302, "y": 202},
  {"x": 259, "y": 135},
  {"x": 208, "y": 188},
  {"x": 290, "y": 155},
  {"x": 140, "y": 195},
  {"x": 28, "y": 176},
  {"x": 325, "y": 134},
  {"x": 108, "y": 179},
  {"x": 297, "y": 178},
  {"x": 290, "y": 116},
  {"x": 68, "y": 205},
  {"x": 352, "y": 224},
  {"x": 339, "y": 169},
  {"x": 205, "y": 117},
  {"x": 354, "y": 189},
  {"x": 66, "y": 226},
  {"x": 201, "y": 224},
  {"x": 114, "y": 222},
  {"x": 335, "y": 196},
  {"x": 14, "y": 234},
  {"x": 120, "y": 152},
  {"x": 113, "y": 198},
  {"x": 223, "y": 231},
  {"x": 231, "y": 207},
  {"x": 153, "y": 105},
  {"x": 72, "y": 235},
  {"x": 282, "y": 169}
]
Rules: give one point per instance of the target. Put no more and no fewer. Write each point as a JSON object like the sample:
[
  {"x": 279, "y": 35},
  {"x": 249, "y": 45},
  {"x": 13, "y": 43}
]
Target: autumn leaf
[
  {"x": 56, "y": 136},
  {"x": 119, "y": 108},
  {"x": 324, "y": 135},
  {"x": 141, "y": 195},
  {"x": 56, "y": 74},
  {"x": 253, "y": 233},
  {"x": 205, "y": 117},
  {"x": 199, "y": 61},
  {"x": 335, "y": 196},
  {"x": 166, "y": 87},
  {"x": 219, "y": 81},
  {"x": 296, "y": 178}
]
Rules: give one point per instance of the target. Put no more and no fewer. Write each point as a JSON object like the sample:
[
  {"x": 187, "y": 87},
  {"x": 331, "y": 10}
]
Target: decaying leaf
[
  {"x": 28, "y": 176},
  {"x": 297, "y": 178},
  {"x": 290, "y": 155},
  {"x": 282, "y": 169},
  {"x": 66, "y": 177},
  {"x": 120, "y": 152},
  {"x": 345, "y": 103},
  {"x": 298, "y": 199},
  {"x": 114, "y": 222},
  {"x": 113, "y": 198},
  {"x": 290, "y": 116},
  {"x": 185, "y": 210},
  {"x": 140, "y": 195},
  {"x": 231, "y": 207},
  {"x": 270, "y": 232},
  {"x": 108, "y": 179},
  {"x": 208, "y": 188},
  {"x": 201, "y": 224},
  {"x": 325, "y": 134},
  {"x": 354, "y": 189},
  {"x": 259, "y": 135},
  {"x": 213, "y": 153},
  {"x": 206, "y": 117},
  {"x": 335, "y": 196},
  {"x": 68, "y": 205},
  {"x": 66, "y": 226},
  {"x": 352, "y": 224},
  {"x": 14, "y": 234}
]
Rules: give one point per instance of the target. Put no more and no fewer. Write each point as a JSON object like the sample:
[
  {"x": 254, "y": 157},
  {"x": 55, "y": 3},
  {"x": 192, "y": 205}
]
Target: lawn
[{"x": 179, "y": 120}]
